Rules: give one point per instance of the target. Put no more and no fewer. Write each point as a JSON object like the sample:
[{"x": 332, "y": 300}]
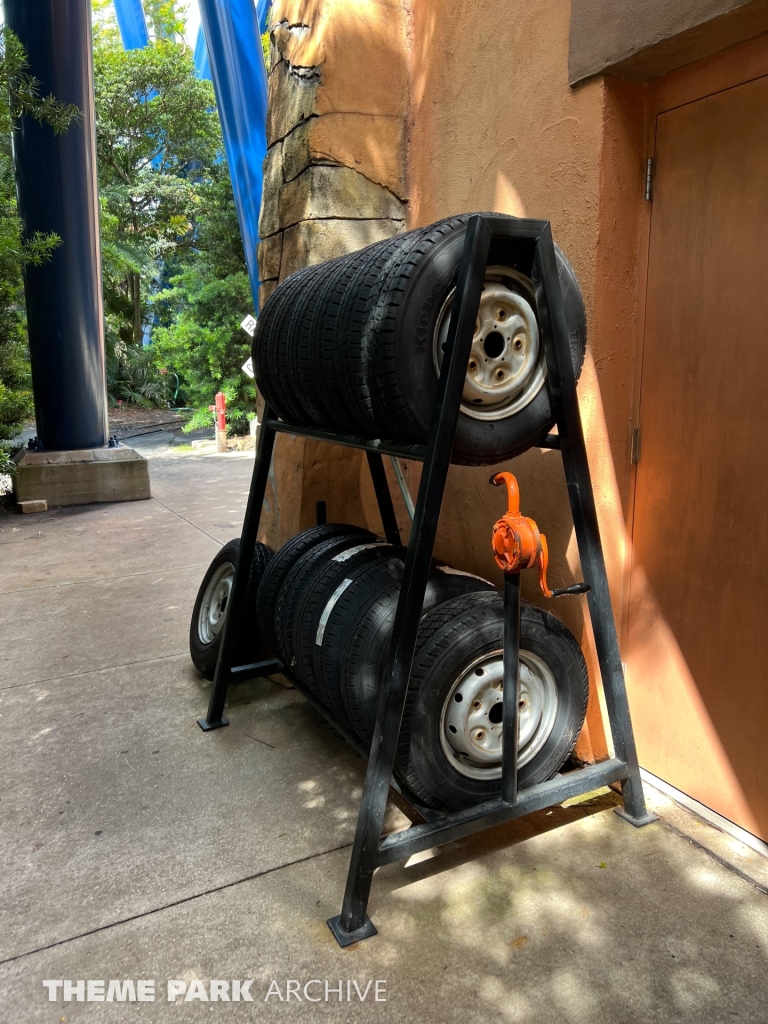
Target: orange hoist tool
[{"x": 519, "y": 544}]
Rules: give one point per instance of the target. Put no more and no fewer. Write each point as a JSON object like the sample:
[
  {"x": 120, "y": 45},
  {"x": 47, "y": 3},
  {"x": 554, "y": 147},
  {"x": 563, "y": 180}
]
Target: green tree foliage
[
  {"x": 172, "y": 257},
  {"x": 157, "y": 135},
  {"x": 171, "y": 250},
  {"x": 19, "y": 96},
  {"x": 165, "y": 17},
  {"x": 199, "y": 335}
]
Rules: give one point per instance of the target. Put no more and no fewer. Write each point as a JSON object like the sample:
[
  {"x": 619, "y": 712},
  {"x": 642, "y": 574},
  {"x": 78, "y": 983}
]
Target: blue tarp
[
  {"x": 202, "y": 64},
  {"x": 228, "y": 51},
  {"x": 132, "y": 24},
  {"x": 240, "y": 81}
]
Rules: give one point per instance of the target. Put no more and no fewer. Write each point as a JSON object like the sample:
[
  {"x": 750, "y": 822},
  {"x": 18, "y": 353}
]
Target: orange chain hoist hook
[{"x": 517, "y": 541}]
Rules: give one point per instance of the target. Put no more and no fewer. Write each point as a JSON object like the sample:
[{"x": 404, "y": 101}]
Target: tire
[
  {"x": 282, "y": 563},
  {"x": 316, "y": 343},
  {"x": 347, "y": 353},
  {"x": 269, "y": 349},
  {"x": 327, "y": 586},
  {"x": 210, "y": 609},
  {"x": 365, "y": 582},
  {"x": 294, "y": 354},
  {"x": 459, "y": 644},
  {"x": 301, "y": 578},
  {"x": 328, "y": 330},
  {"x": 365, "y": 637},
  {"x": 406, "y": 329}
]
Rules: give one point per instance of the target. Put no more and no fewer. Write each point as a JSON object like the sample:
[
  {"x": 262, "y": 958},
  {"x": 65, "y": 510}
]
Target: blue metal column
[
  {"x": 57, "y": 191},
  {"x": 240, "y": 81}
]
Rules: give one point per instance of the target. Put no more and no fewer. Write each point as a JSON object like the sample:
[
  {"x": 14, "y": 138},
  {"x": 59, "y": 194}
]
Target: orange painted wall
[{"x": 494, "y": 125}]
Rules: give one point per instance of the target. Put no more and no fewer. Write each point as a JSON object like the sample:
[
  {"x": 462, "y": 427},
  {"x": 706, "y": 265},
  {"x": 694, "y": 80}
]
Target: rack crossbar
[
  {"x": 402, "y": 450},
  {"x": 457, "y": 825},
  {"x": 257, "y": 668}
]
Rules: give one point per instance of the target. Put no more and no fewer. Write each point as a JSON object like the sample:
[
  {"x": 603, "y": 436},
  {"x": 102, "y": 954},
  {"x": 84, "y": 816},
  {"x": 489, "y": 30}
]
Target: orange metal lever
[{"x": 517, "y": 541}]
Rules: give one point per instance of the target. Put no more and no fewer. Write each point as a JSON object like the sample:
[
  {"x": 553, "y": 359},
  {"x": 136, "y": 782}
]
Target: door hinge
[
  {"x": 649, "y": 179},
  {"x": 634, "y": 451}
]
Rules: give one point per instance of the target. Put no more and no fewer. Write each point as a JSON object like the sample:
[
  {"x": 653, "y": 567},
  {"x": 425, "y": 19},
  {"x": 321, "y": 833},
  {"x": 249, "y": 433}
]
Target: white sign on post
[
  {"x": 249, "y": 325},
  {"x": 247, "y": 367}
]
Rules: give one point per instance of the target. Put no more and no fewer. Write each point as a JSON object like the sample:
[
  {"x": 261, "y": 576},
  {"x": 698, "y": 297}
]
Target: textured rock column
[{"x": 333, "y": 183}]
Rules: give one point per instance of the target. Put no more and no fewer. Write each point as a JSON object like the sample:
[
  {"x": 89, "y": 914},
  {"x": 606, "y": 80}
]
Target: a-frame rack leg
[
  {"x": 562, "y": 388},
  {"x": 352, "y": 924},
  {"x": 233, "y": 622},
  {"x": 383, "y": 497}
]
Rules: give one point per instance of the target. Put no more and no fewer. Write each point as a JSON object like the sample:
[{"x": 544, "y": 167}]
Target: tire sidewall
[
  {"x": 301, "y": 578},
  {"x": 427, "y": 759},
  {"x": 204, "y": 656},
  {"x": 278, "y": 569},
  {"x": 315, "y": 600},
  {"x": 476, "y": 441},
  {"x": 360, "y": 690}
]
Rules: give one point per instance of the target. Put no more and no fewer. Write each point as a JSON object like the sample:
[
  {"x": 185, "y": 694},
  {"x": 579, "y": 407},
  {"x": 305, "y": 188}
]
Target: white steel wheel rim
[
  {"x": 213, "y": 609},
  {"x": 506, "y": 365},
  {"x": 470, "y": 723}
]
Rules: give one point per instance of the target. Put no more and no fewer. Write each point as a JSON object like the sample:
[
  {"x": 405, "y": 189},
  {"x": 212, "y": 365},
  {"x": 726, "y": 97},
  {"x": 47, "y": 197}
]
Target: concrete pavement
[{"x": 136, "y": 847}]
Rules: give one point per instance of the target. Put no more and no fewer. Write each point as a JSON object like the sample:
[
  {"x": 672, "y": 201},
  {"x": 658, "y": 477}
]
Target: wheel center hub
[
  {"x": 471, "y": 727},
  {"x": 505, "y": 370}
]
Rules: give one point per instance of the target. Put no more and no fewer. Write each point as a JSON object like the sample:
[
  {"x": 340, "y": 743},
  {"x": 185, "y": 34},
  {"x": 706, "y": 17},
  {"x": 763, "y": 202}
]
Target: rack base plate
[
  {"x": 206, "y": 726},
  {"x": 647, "y": 819},
  {"x": 348, "y": 938}
]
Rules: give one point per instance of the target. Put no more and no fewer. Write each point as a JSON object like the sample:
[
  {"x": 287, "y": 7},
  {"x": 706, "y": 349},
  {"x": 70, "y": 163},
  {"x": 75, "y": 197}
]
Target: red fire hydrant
[{"x": 220, "y": 408}]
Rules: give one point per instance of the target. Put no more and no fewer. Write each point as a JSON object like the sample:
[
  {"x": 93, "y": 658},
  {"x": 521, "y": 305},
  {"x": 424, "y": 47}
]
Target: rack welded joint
[{"x": 530, "y": 242}]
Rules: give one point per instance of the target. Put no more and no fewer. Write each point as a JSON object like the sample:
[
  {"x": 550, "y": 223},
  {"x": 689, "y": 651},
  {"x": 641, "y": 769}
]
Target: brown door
[{"x": 698, "y": 621}]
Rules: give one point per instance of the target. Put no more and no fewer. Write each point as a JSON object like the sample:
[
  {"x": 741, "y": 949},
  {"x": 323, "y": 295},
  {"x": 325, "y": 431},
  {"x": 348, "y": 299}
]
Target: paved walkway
[{"x": 133, "y": 846}]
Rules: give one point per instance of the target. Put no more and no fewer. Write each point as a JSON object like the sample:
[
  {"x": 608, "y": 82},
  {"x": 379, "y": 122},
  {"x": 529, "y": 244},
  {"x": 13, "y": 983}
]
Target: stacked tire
[
  {"x": 326, "y": 605},
  {"x": 206, "y": 629},
  {"x": 356, "y": 345}
]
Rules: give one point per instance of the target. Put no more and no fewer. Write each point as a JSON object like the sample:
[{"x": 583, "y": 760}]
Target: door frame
[{"x": 736, "y": 66}]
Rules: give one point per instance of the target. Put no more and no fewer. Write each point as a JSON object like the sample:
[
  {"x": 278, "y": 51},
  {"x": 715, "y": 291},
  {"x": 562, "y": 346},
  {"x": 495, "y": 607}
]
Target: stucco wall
[
  {"x": 334, "y": 170},
  {"x": 494, "y": 125},
  {"x": 491, "y": 123}
]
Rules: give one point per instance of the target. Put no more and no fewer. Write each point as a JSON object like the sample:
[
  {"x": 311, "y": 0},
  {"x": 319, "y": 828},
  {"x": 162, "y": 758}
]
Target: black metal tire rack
[{"x": 534, "y": 252}]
